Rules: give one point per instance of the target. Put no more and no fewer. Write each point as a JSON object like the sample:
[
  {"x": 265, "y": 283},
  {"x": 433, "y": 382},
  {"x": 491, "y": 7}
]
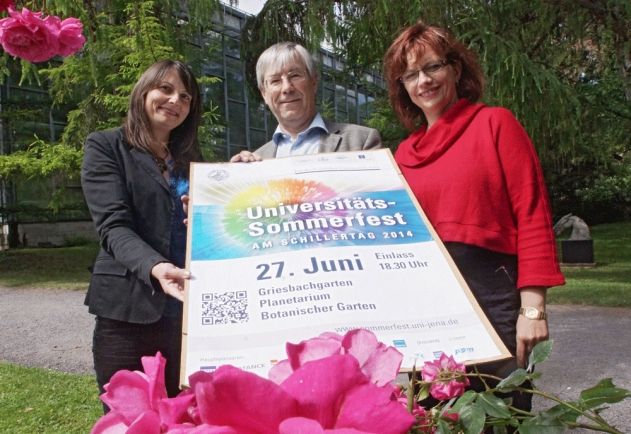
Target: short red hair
[{"x": 415, "y": 39}]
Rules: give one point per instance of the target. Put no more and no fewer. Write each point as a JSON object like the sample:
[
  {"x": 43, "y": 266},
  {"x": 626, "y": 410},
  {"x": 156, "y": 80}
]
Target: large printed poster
[{"x": 285, "y": 249}]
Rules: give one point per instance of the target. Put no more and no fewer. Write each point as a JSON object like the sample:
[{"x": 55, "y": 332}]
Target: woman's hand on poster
[
  {"x": 185, "y": 200},
  {"x": 171, "y": 279}
]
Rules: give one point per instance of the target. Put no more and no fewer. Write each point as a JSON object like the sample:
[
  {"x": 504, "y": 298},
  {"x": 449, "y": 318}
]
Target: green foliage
[
  {"x": 385, "y": 121},
  {"x": 540, "y": 354},
  {"x": 209, "y": 129},
  {"x": 612, "y": 188},
  {"x": 44, "y": 401},
  {"x": 41, "y": 159},
  {"x": 493, "y": 405},
  {"x": 472, "y": 417},
  {"x": 542, "y": 424},
  {"x": 515, "y": 379},
  {"x": 584, "y": 412},
  {"x": 603, "y": 393}
]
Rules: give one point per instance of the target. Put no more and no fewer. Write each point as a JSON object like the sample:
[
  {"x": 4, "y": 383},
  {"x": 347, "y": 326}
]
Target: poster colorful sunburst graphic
[
  {"x": 268, "y": 216},
  {"x": 270, "y": 205}
]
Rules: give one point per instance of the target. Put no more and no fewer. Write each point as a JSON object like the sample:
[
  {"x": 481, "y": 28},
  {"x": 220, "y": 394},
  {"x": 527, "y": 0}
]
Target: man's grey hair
[{"x": 281, "y": 54}]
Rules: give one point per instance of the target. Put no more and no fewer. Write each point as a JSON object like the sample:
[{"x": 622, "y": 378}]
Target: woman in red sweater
[{"x": 475, "y": 172}]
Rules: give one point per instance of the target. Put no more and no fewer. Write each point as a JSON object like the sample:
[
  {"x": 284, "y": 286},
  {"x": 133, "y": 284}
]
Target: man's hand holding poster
[{"x": 285, "y": 249}]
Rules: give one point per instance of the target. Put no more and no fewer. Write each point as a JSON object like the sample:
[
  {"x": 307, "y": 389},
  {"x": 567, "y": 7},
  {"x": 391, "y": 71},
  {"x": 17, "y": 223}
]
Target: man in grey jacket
[{"x": 288, "y": 80}]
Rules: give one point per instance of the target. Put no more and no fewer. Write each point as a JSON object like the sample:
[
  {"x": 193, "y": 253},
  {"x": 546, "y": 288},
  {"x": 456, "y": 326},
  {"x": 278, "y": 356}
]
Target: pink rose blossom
[
  {"x": 325, "y": 394},
  {"x": 378, "y": 361},
  {"x": 68, "y": 33},
  {"x": 447, "y": 377},
  {"x": 5, "y": 4},
  {"x": 308, "y": 426},
  {"x": 242, "y": 400},
  {"x": 133, "y": 398},
  {"x": 329, "y": 395},
  {"x": 26, "y": 35}
]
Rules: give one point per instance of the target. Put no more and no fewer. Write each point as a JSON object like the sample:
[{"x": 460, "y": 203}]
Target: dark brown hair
[
  {"x": 183, "y": 143},
  {"x": 415, "y": 39}
]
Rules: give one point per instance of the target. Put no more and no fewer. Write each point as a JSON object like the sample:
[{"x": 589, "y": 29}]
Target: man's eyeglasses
[
  {"x": 275, "y": 82},
  {"x": 429, "y": 70}
]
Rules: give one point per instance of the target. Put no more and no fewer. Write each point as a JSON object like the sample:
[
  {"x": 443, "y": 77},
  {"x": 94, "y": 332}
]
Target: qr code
[{"x": 225, "y": 308}]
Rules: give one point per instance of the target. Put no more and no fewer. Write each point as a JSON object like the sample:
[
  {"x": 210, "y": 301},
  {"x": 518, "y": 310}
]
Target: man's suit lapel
[
  {"x": 330, "y": 142},
  {"x": 268, "y": 150},
  {"x": 146, "y": 161}
]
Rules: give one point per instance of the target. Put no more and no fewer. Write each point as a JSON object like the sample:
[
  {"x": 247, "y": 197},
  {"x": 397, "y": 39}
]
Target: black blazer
[{"x": 131, "y": 206}]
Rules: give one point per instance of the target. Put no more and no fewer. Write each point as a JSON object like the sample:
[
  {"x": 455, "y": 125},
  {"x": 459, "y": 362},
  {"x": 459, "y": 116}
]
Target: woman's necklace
[
  {"x": 162, "y": 164},
  {"x": 162, "y": 161}
]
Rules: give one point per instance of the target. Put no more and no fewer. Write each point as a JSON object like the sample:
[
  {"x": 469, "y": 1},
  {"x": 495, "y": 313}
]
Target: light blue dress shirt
[{"x": 307, "y": 141}]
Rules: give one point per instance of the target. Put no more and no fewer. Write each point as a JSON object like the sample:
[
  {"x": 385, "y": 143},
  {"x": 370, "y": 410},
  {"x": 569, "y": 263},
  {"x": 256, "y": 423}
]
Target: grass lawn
[
  {"x": 42, "y": 401},
  {"x": 63, "y": 267},
  {"x": 607, "y": 284}
]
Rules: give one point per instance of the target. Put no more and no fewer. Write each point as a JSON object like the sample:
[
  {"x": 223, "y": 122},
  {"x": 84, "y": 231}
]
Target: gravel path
[
  {"x": 52, "y": 329},
  {"x": 46, "y": 328}
]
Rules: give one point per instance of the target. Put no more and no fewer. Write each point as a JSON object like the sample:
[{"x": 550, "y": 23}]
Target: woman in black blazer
[{"x": 133, "y": 178}]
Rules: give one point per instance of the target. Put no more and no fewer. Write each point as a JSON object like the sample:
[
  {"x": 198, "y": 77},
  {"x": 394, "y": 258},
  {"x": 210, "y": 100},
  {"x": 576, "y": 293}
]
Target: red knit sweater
[{"x": 477, "y": 176}]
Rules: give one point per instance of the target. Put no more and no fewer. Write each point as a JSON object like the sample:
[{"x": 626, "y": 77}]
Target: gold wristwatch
[{"x": 532, "y": 313}]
